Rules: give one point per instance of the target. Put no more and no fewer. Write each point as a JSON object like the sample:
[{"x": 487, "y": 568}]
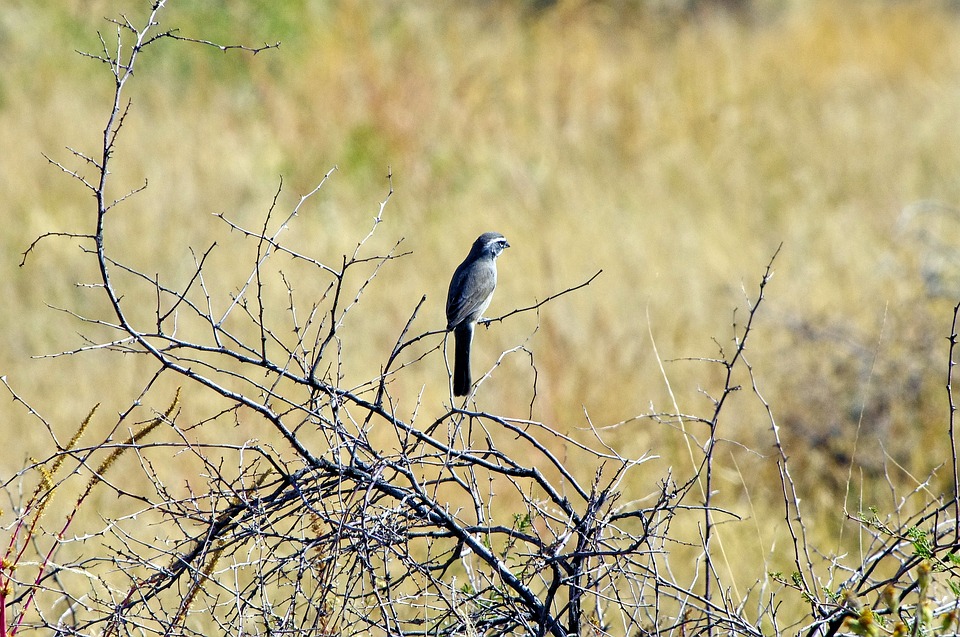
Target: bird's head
[{"x": 490, "y": 243}]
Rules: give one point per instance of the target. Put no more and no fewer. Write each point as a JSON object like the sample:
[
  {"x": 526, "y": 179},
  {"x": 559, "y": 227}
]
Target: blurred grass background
[{"x": 674, "y": 148}]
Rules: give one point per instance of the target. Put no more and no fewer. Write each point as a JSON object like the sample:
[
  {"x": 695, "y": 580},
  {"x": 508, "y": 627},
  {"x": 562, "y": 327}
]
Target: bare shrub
[{"x": 324, "y": 525}]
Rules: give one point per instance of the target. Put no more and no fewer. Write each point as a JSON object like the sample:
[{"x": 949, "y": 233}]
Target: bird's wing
[{"x": 470, "y": 292}]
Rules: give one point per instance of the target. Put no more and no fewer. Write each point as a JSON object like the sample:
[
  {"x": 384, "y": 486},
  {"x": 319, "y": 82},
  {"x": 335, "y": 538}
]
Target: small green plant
[
  {"x": 921, "y": 542},
  {"x": 899, "y": 618}
]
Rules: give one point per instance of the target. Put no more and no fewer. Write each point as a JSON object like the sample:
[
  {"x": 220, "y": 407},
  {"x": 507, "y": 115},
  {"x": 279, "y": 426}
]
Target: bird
[{"x": 470, "y": 293}]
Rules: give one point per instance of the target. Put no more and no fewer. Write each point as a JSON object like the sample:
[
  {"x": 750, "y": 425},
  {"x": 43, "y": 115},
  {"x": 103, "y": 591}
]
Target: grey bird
[{"x": 471, "y": 290}]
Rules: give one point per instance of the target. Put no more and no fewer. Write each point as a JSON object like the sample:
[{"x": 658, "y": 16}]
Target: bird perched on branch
[{"x": 471, "y": 290}]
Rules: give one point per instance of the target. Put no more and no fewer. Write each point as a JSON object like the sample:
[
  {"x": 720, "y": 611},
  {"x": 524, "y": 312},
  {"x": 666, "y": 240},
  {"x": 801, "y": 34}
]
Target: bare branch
[
  {"x": 45, "y": 235},
  {"x": 540, "y": 304}
]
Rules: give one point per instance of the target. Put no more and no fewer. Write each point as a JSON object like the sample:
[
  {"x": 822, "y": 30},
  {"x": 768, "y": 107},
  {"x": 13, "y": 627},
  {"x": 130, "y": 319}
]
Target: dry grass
[{"x": 673, "y": 154}]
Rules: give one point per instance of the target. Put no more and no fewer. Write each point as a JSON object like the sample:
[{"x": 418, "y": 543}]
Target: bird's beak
[{"x": 506, "y": 244}]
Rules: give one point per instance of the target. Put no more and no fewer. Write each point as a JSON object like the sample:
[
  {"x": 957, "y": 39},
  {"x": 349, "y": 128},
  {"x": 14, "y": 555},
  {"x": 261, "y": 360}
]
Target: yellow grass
[{"x": 675, "y": 154}]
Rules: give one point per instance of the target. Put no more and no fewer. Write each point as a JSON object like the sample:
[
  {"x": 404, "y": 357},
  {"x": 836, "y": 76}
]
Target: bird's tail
[{"x": 463, "y": 337}]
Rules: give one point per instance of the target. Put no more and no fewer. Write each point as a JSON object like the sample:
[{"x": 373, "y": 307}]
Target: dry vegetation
[{"x": 676, "y": 151}]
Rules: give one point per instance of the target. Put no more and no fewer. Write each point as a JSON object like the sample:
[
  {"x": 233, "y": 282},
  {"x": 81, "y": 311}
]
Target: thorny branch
[
  {"x": 369, "y": 506},
  {"x": 476, "y": 524}
]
